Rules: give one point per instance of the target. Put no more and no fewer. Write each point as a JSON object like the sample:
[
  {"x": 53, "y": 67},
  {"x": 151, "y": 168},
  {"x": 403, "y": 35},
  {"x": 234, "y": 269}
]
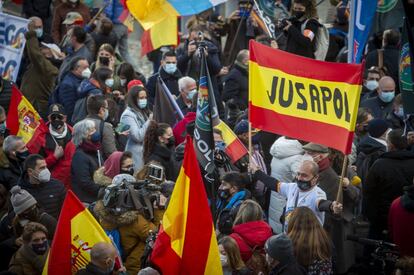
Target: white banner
[{"x": 12, "y": 41}]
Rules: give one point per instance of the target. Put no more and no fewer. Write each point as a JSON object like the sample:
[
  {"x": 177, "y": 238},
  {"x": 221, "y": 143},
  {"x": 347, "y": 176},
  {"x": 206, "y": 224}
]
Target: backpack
[
  {"x": 79, "y": 111},
  {"x": 321, "y": 42}
]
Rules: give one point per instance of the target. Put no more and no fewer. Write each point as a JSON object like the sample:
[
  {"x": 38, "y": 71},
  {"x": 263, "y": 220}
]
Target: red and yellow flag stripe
[{"x": 303, "y": 98}]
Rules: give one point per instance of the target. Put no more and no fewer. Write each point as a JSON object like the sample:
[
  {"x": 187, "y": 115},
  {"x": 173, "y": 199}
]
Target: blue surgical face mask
[
  {"x": 387, "y": 96},
  {"x": 170, "y": 68},
  {"x": 400, "y": 112},
  {"x": 109, "y": 82},
  {"x": 142, "y": 103},
  {"x": 39, "y": 32},
  {"x": 191, "y": 94},
  {"x": 96, "y": 137}
]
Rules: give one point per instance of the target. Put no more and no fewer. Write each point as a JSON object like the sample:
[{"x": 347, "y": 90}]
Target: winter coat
[
  {"x": 287, "y": 158},
  {"x": 369, "y": 150},
  {"x": 180, "y": 128},
  {"x": 46, "y": 145},
  {"x": 5, "y": 93},
  {"x": 10, "y": 171},
  {"x": 87, "y": 88},
  {"x": 49, "y": 195},
  {"x": 91, "y": 269},
  {"x": 385, "y": 182},
  {"x": 236, "y": 86},
  {"x": 27, "y": 262},
  {"x": 291, "y": 268},
  {"x": 100, "y": 178},
  {"x": 164, "y": 156},
  {"x": 39, "y": 8},
  {"x": 391, "y": 57},
  {"x": 250, "y": 235},
  {"x": 138, "y": 126},
  {"x": 39, "y": 79},
  {"x": 401, "y": 224},
  {"x": 134, "y": 230},
  {"x": 59, "y": 29},
  {"x": 83, "y": 167},
  {"x": 107, "y": 136},
  {"x": 299, "y": 44},
  {"x": 170, "y": 80},
  {"x": 67, "y": 93},
  {"x": 339, "y": 226},
  {"x": 379, "y": 108}
]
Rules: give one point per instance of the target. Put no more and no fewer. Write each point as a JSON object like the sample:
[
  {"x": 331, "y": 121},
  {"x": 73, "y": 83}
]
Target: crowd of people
[{"x": 100, "y": 133}]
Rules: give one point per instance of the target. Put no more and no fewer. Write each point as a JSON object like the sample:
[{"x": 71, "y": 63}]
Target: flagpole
[
  {"x": 351, "y": 27},
  {"x": 339, "y": 195}
]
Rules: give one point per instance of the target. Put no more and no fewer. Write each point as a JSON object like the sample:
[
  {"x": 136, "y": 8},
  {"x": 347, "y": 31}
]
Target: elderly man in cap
[
  {"x": 303, "y": 192},
  {"x": 280, "y": 256},
  {"x": 60, "y": 14},
  {"x": 54, "y": 143},
  {"x": 337, "y": 226}
]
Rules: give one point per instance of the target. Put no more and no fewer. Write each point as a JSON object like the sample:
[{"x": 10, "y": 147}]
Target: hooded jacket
[
  {"x": 287, "y": 158},
  {"x": 250, "y": 235},
  {"x": 401, "y": 223},
  {"x": 369, "y": 150}
]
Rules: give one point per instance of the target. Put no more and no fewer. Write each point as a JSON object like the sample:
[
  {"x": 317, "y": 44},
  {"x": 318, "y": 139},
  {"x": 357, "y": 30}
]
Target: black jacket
[
  {"x": 368, "y": 151},
  {"x": 10, "y": 172},
  {"x": 385, "y": 182},
  {"x": 379, "y": 108},
  {"x": 49, "y": 196},
  {"x": 165, "y": 157},
  {"x": 170, "y": 80},
  {"x": 297, "y": 43},
  {"x": 236, "y": 86},
  {"x": 39, "y": 8},
  {"x": 5, "y": 93},
  {"x": 83, "y": 167},
  {"x": 91, "y": 269},
  {"x": 292, "y": 268}
]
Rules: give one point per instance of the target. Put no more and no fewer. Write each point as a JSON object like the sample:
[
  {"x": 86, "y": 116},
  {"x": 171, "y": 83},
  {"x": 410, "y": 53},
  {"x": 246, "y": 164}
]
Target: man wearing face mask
[
  {"x": 303, "y": 192},
  {"x": 16, "y": 152},
  {"x": 37, "y": 180},
  {"x": 398, "y": 119},
  {"x": 97, "y": 107},
  {"x": 54, "y": 143},
  {"x": 102, "y": 262},
  {"x": 188, "y": 89},
  {"x": 169, "y": 73},
  {"x": 381, "y": 105},
  {"x": 336, "y": 226},
  {"x": 369, "y": 90},
  {"x": 31, "y": 257},
  {"x": 236, "y": 83},
  {"x": 66, "y": 92}
]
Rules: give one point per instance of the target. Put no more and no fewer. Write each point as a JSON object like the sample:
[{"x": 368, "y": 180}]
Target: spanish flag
[
  {"x": 303, "y": 98},
  {"x": 22, "y": 119},
  {"x": 150, "y": 12},
  {"x": 186, "y": 243},
  {"x": 235, "y": 149},
  {"x": 163, "y": 33},
  {"x": 76, "y": 233}
]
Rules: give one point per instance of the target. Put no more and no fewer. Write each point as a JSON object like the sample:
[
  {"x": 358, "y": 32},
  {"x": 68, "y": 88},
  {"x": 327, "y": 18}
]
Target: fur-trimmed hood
[
  {"x": 111, "y": 221},
  {"x": 100, "y": 178}
]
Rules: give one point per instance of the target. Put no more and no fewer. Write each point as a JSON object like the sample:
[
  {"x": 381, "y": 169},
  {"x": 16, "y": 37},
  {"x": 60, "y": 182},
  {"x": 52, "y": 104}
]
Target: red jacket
[
  {"x": 401, "y": 224},
  {"x": 59, "y": 168},
  {"x": 250, "y": 235},
  {"x": 180, "y": 127}
]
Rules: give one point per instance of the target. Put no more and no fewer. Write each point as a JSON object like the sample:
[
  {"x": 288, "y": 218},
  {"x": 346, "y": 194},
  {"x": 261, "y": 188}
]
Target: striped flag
[
  {"x": 235, "y": 149},
  {"x": 163, "y": 33},
  {"x": 303, "y": 98},
  {"x": 22, "y": 118},
  {"x": 76, "y": 233},
  {"x": 186, "y": 243}
]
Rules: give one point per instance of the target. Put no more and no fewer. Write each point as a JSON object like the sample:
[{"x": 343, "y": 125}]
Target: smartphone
[
  {"x": 156, "y": 172},
  {"x": 122, "y": 128}
]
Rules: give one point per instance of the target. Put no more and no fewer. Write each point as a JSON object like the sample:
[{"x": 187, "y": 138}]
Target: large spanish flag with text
[
  {"x": 22, "y": 118},
  {"x": 76, "y": 233},
  {"x": 303, "y": 98},
  {"x": 186, "y": 243}
]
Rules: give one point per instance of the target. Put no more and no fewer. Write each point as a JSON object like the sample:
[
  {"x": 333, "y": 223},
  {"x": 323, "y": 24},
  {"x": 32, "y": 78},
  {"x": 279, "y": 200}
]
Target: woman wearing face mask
[
  {"x": 117, "y": 163},
  {"x": 100, "y": 83},
  {"x": 125, "y": 74},
  {"x": 86, "y": 161},
  {"x": 230, "y": 258},
  {"x": 301, "y": 28},
  {"x": 105, "y": 58},
  {"x": 137, "y": 116},
  {"x": 31, "y": 257},
  {"x": 159, "y": 146}
]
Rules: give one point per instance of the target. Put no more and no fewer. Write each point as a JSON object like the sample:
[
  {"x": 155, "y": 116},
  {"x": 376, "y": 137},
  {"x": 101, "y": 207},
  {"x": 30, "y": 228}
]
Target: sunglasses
[{"x": 56, "y": 116}]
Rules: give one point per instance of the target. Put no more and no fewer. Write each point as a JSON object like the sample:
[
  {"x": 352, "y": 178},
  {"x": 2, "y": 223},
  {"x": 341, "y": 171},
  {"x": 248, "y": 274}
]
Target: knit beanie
[
  {"x": 241, "y": 127},
  {"x": 280, "y": 248},
  {"x": 377, "y": 127},
  {"x": 21, "y": 200}
]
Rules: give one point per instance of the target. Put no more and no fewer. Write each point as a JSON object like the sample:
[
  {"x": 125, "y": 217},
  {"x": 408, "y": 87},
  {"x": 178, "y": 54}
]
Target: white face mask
[
  {"x": 44, "y": 175},
  {"x": 123, "y": 82},
  {"x": 106, "y": 114},
  {"x": 86, "y": 73},
  {"x": 223, "y": 260},
  {"x": 371, "y": 85}
]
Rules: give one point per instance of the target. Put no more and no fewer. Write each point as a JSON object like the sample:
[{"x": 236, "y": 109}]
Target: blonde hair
[
  {"x": 233, "y": 253},
  {"x": 249, "y": 211},
  {"x": 310, "y": 240}
]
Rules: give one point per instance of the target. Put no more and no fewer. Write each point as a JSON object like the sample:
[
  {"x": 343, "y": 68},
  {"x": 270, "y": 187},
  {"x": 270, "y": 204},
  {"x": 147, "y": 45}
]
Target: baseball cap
[{"x": 73, "y": 17}]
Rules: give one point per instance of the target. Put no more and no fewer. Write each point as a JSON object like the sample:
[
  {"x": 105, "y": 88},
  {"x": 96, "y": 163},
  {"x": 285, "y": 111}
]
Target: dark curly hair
[{"x": 154, "y": 131}]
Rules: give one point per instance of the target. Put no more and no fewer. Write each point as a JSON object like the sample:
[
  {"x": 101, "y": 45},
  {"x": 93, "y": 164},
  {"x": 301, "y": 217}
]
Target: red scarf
[
  {"x": 324, "y": 164},
  {"x": 90, "y": 147}
]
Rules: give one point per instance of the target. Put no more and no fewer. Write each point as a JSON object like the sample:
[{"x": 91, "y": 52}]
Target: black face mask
[
  {"x": 224, "y": 194},
  {"x": 171, "y": 142},
  {"x": 40, "y": 249},
  {"x": 21, "y": 156},
  {"x": 129, "y": 171},
  {"x": 57, "y": 124},
  {"x": 298, "y": 14},
  {"x": 304, "y": 185}
]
